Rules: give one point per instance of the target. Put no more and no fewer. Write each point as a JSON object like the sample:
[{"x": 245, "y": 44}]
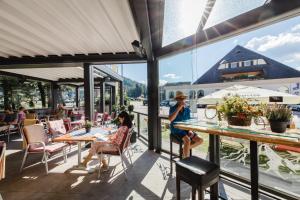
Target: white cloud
[
  {"x": 270, "y": 42},
  {"x": 289, "y": 60},
  {"x": 235, "y": 41},
  {"x": 171, "y": 76},
  {"x": 296, "y": 28},
  {"x": 162, "y": 82},
  {"x": 143, "y": 82}
]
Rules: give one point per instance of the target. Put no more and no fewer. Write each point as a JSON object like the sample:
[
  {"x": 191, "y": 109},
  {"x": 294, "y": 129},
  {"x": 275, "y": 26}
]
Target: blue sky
[{"x": 280, "y": 41}]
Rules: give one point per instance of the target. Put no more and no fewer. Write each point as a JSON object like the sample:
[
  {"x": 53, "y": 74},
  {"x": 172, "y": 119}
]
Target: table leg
[
  {"x": 254, "y": 170},
  {"x": 214, "y": 156},
  {"x": 79, "y": 153}
]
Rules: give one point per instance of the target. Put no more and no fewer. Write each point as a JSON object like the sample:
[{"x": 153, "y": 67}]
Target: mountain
[{"x": 134, "y": 89}]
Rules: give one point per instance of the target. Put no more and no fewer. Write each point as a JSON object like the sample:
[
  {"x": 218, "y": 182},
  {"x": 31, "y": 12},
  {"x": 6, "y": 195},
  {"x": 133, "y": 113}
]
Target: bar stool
[
  {"x": 174, "y": 138},
  {"x": 198, "y": 173}
]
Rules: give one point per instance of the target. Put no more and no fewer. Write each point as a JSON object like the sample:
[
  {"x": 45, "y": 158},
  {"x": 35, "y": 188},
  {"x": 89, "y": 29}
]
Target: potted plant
[
  {"x": 88, "y": 125},
  {"x": 237, "y": 111},
  {"x": 130, "y": 109},
  {"x": 279, "y": 117}
]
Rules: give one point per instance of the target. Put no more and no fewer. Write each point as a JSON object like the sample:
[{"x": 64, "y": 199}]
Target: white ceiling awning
[
  {"x": 65, "y": 74},
  {"x": 58, "y": 27}
]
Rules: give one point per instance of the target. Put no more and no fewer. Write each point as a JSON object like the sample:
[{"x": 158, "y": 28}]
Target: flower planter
[
  {"x": 87, "y": 130},
  {"x": 278, "y": 127},
  {"x": 238, "y": 121}
]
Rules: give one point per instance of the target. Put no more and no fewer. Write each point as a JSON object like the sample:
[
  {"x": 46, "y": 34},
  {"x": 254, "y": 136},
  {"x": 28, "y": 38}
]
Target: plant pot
[
  {"x": 237, "y": 121},
  {"x": 87, "y": 130},
  {"x": 278, "y": 127},
  {"x": 133, "y": 137}
]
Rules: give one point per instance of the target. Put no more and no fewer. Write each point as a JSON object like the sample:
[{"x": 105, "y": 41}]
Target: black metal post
[
  {"x": 254, "y": 170},
  {"x": 121, "y": 93},
  {"x": 77, "y": 96},
  {"x": 55, "y": 94},
  {"x": 158, "y": 137},
  {"x": 138, "y": 124},
  {"x": 153, "y": 105},
  {"x": 102, "y": 97},
  {"x": 214, "y": 156},
  {"x": 110, "y": 99},
  {"x": 88, "y": 90},
  {"x": 113, "y": 95}
]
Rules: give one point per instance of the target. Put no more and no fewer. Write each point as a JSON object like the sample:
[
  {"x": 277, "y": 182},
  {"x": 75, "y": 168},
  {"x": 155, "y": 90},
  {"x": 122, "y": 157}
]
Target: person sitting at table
[
  {"x": 9, "y": 115},
  {"x": 21, "y": 115},
  {"x": 60, "y": 112},
  {"x": 117, "y": 139},
  {"x": 181, "y": 112}
]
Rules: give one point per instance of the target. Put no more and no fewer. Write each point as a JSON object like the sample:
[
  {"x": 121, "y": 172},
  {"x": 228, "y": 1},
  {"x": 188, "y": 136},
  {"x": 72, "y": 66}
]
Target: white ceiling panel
[
  {"x": 53, "y": 73},
  {"x": 56, "y": 27}
]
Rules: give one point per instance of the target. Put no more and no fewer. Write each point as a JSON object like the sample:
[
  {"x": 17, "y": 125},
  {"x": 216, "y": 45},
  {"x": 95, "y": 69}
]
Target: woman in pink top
[
  {"x": 21, "y": 114},
  {"x": 118, "y": 139}
]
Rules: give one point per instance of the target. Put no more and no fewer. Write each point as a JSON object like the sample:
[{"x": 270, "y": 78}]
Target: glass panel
[
  {"x": 224, "y": 10},
  {"x": 165, "y": 138},
  {"x": 23, "y": 92},
  {"x": 234, "y": 156},
  {"x": 181, "y": 19},
  {"x": 279, "y": 167},
  {"x": 144, "y": 126}
]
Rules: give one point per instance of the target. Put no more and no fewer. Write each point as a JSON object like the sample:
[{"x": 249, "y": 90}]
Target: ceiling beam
[
  {"x": 206, "y": 13},
  {"x": 65, "y": 59},
  {"x": 139, "y": 9},
  {"x": 267, "y": 14},
  {"x": 156, "y": 17}
]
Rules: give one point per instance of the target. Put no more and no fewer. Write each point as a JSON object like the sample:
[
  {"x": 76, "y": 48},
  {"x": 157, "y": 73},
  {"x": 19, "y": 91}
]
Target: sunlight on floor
[{"x": 79, "y": 180}]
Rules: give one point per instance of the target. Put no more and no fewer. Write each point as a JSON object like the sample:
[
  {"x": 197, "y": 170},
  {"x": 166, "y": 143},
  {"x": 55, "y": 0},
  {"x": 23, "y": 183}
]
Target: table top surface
[
  {"x": 254, "y": 133},
  {"x": 96, "y": 133}
]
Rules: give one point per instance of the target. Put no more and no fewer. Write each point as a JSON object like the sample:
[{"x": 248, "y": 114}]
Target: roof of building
[
  {"x": 178, "y": 83},
  {"x": 271, "y": 70}
]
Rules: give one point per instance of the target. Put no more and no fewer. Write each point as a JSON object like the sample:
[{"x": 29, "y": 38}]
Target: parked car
[
  {"x": 295, "y": 107},
  {"x": 201, "y": 105},
  {"x": 165, "y": 103},
  {"x": 145, "y": 102}
]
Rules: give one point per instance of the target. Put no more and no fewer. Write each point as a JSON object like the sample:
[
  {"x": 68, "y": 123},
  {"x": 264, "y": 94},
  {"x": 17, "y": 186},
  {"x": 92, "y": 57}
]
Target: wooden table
[
  {"x": 80, "y": 135},
  {"x": 254, "y": 135}
]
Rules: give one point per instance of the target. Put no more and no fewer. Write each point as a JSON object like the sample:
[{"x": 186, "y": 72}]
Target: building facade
[{"x": 240, "y": 66}]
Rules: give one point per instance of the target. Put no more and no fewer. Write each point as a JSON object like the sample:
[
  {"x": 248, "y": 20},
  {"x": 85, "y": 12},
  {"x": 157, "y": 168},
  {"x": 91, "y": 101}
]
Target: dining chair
[
  {"x": 117, "y": 150},
  {"x": 39, "y": 143},
  {"x": 2, "y": 159},
  {"x": 57, "y": 128}
]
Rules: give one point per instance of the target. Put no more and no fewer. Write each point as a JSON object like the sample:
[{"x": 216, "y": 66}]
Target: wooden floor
[{"x": 148, "y": 178}]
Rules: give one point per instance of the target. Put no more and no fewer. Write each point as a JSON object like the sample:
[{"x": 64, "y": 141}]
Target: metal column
[
  {"x": 121, "y": 93},
  {"x": 88, "y": 91},
  {"x": 113, "y": 95},
  {"x": 55, "y": 91},
  {"x": 254, "y": 170},
  {"x": 102, "y": 97},
  {"x": 153, "y": 105},
  {"x": 214, "y": 156},
  {"x": 77, "y": 96},
  {"x": 110, "y": 99}
]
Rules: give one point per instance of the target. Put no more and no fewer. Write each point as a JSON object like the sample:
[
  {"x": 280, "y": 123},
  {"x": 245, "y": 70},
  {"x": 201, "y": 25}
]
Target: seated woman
[
  {"x": 116, "y": 139},
  {"x": 61, "y": 112},
  {"x": 9, "y": 115},
  {"x": 21, "y": 115}
]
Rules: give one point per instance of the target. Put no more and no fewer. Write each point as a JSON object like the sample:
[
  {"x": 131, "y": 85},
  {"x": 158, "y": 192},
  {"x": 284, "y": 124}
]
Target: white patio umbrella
[{"x": 254, "y": 94}]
